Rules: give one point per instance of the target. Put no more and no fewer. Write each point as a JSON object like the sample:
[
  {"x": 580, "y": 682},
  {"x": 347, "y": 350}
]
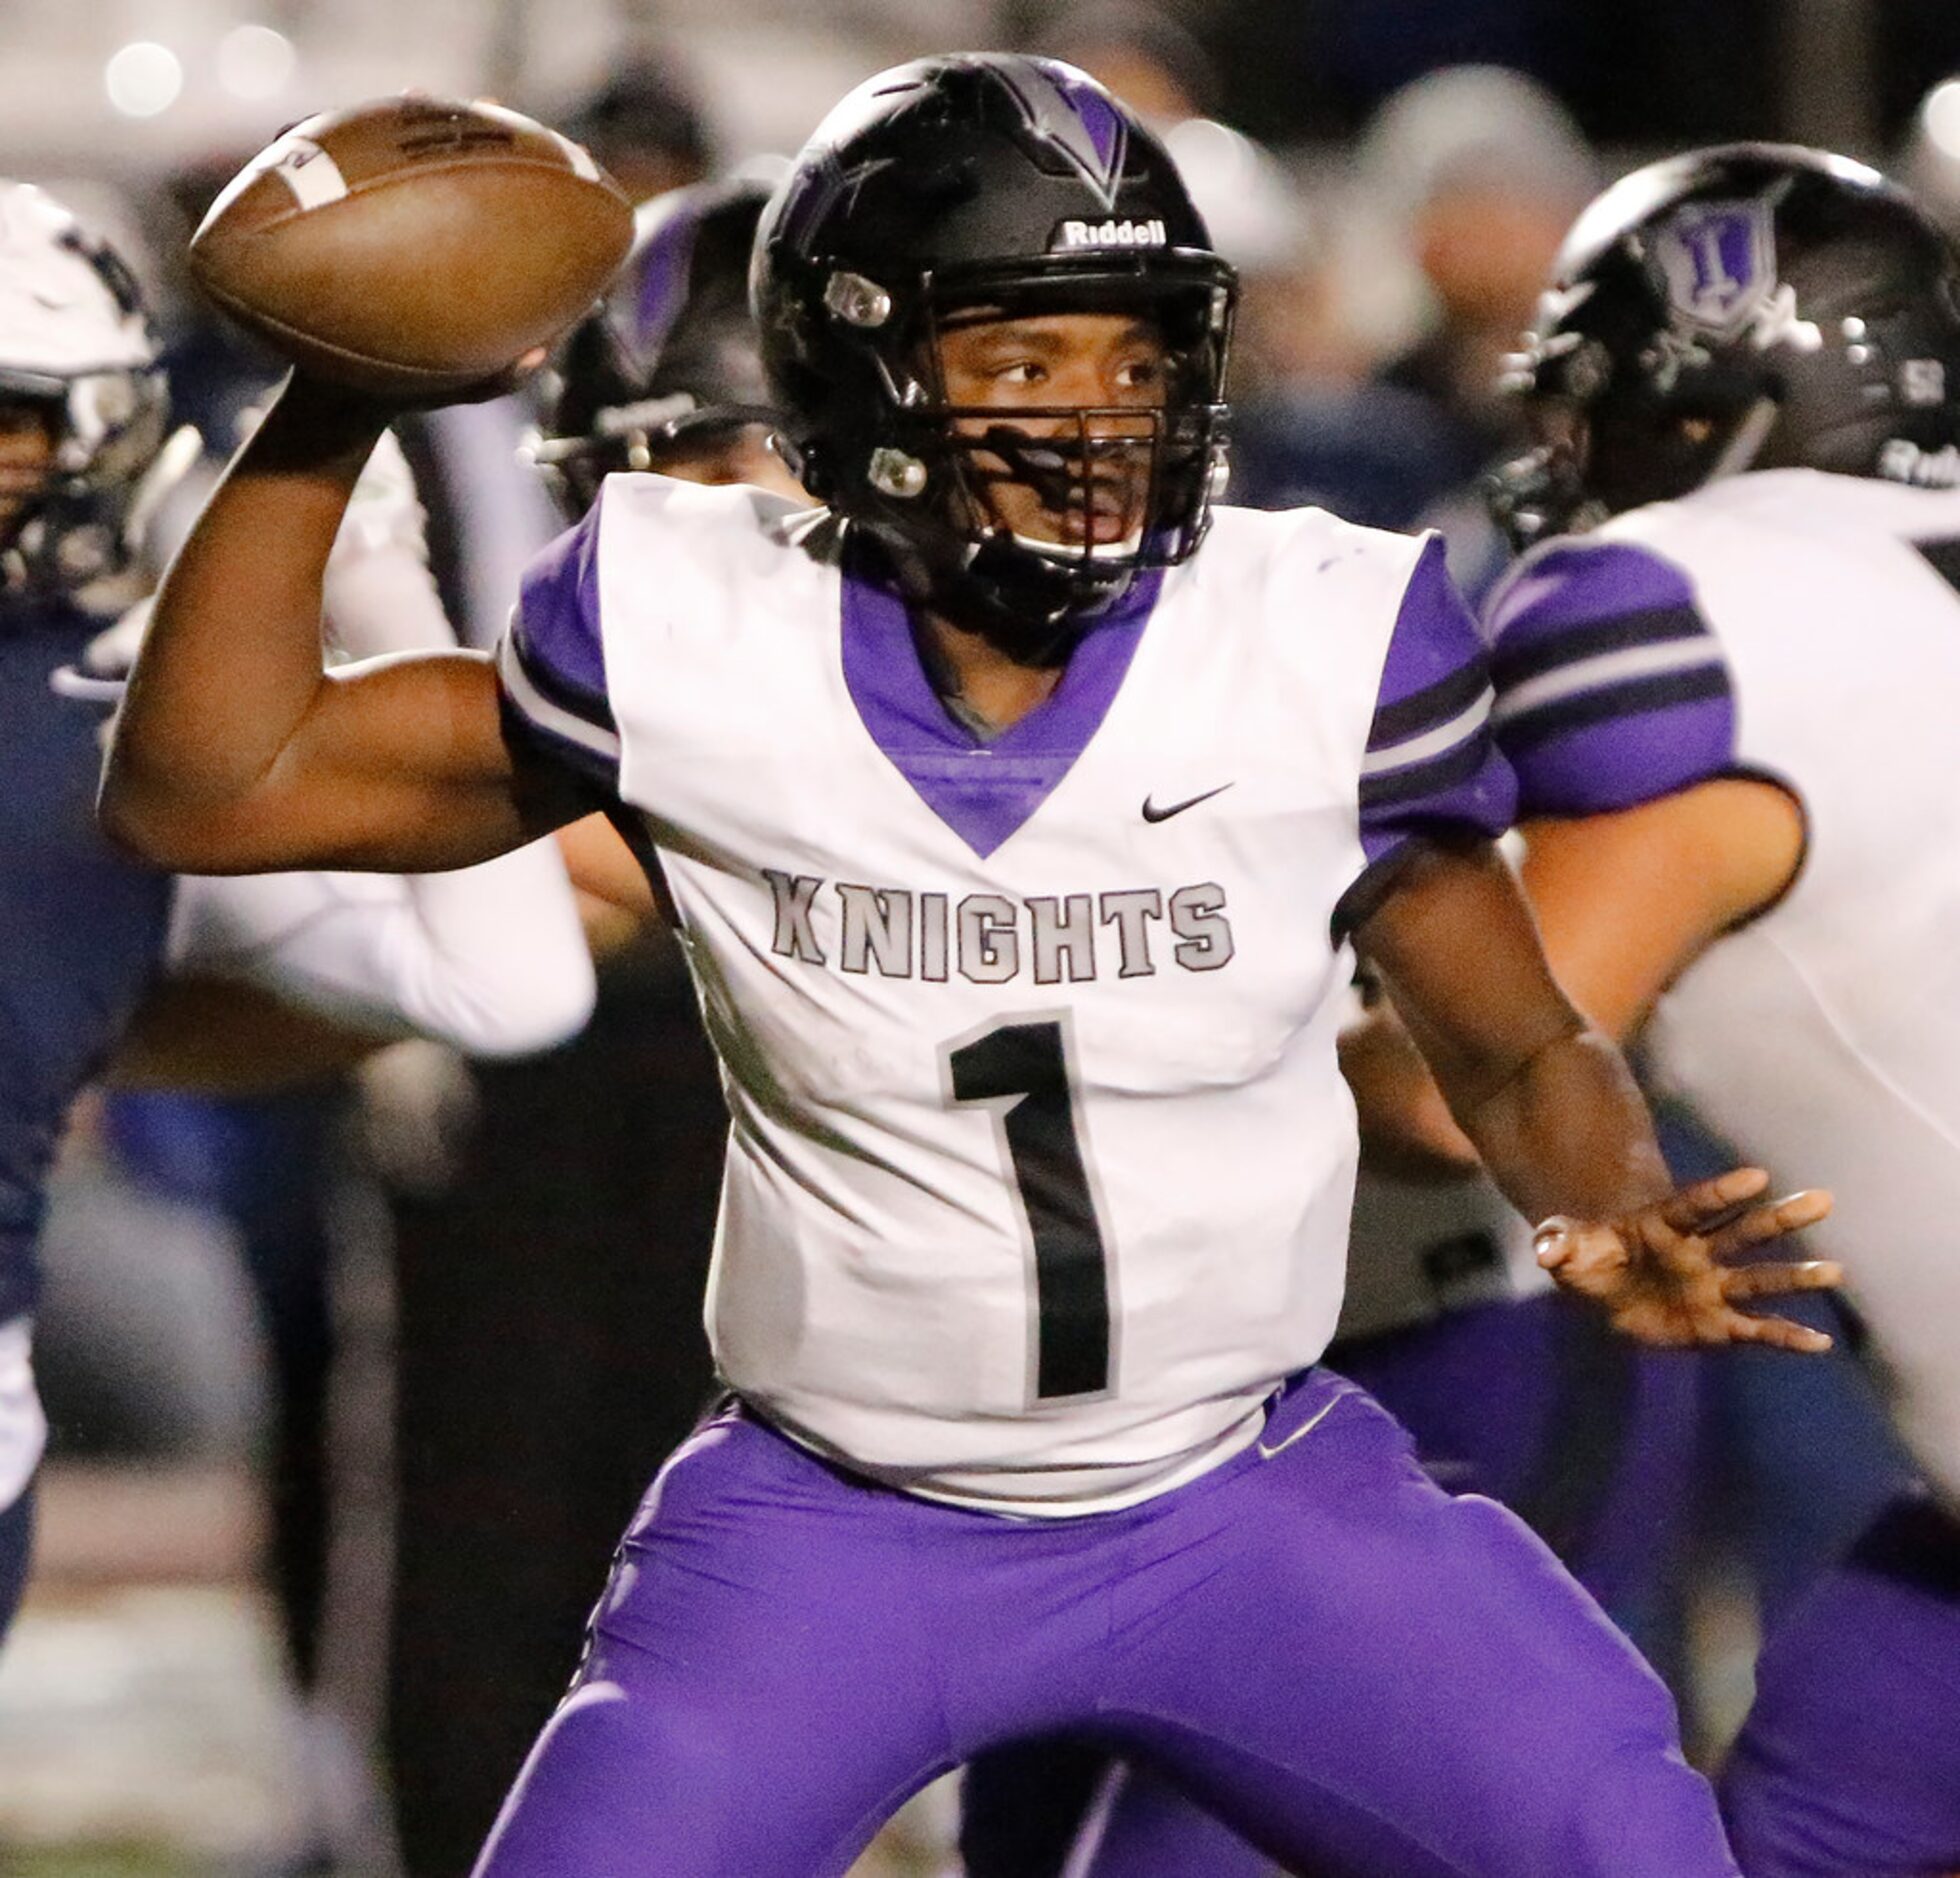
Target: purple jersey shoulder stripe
[
  {"x": 1449, "y": 697},
  {"x": 1573, "y": 583},
  {"x": 523, "y": 731},
  {"x": 556, "y": 631},
  {"x": 540, "y": 722},
  {"x": 1423, "y": 781},
  {"x": 1433, "y": 770},
  {"x": 1434, "y": 652},
  {"x": 1611, "y": 687},
  {"x": 1633, "y": 698},
  {"x": 1616, "y": 749},
  {"x": 1517, "y": 658}
]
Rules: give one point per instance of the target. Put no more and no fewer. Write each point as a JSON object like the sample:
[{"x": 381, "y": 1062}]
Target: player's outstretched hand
[{"x": 1667, "y": 1274}]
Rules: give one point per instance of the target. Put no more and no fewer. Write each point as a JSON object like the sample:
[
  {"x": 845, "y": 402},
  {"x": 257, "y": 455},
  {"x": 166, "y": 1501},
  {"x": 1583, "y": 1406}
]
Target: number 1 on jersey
[{"x": 1020, "y": 1070}]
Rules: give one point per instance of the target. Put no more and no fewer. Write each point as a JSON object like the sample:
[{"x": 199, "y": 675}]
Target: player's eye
[
  {"x": 1140, "y": 374},
  {"x": 1023, "y": 372}
]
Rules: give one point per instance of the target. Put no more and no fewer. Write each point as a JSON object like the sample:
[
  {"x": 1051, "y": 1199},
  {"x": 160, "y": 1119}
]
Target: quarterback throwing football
[{"x": 1015, "y": 839}]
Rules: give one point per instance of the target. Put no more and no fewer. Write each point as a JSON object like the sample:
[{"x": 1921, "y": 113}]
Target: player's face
[
  {"x": 1069, "y": 382},
  {"x": 26, "y": 450}
]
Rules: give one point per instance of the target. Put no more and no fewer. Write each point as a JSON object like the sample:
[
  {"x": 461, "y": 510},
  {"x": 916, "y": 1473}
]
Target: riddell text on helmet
[{"x": 1110, "y": 234}]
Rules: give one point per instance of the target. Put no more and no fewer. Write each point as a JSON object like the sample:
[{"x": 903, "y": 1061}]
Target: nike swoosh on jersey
[
  {"x": 1305, "y": 1429},
  {"x": 1152, "y": 813}
]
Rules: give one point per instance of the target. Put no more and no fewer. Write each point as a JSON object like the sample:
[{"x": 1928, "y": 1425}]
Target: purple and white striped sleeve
[
  {"x": 1611, "y": 689},
  {"x": 1432, "y": 770},
  {"x": 551, "y": 661}
]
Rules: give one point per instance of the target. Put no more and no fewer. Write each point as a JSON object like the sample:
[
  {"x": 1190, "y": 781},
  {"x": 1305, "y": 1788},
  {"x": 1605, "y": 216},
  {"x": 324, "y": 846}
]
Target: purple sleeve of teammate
[
  {"x": 1611, "y": 690},
  {"x": 551, "y": 662},
  {"x": 1432, "y": 769}
]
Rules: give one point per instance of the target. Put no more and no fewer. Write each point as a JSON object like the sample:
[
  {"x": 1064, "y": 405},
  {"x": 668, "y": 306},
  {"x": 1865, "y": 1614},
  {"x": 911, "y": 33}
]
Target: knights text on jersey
[
  {"x": 1801, "y": 627},
  {"x": 1040, "y": 1163}
]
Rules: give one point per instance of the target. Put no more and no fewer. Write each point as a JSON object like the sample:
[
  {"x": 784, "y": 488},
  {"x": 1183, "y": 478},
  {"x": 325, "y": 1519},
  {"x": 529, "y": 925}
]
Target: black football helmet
[
  {"x": 1008, "y": 186},
  {"x": 1754, "y": 306},
  {"x": 674, "y": 360},
  {"x": 78, "y": 351}
]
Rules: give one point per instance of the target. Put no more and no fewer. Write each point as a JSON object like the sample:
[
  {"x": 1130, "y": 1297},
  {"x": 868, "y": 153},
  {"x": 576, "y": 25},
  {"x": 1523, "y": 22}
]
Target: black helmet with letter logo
[
  {"x": 1753, "y": 306},
  {"x": 1003, "y": 186}
]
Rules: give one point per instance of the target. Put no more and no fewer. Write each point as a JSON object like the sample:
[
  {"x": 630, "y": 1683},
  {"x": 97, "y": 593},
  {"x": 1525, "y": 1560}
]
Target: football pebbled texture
[{"x": 412, "y": 246}]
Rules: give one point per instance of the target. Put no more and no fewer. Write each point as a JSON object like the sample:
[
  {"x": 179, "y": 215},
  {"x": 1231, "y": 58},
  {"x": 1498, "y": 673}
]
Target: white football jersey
[
  {"x": 1823, "y": 1039},
  {"x": 1040, "y": 1162}
]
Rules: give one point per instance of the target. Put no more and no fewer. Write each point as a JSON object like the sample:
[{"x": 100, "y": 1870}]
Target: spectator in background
[
  {"x": 1308, "y": 425},
  {"x": 1483, "y": 171},
  {"x": 1476, "y": 172},
  {"x": 1143, "y": 53},
  {"x": 646, "y": 127}
]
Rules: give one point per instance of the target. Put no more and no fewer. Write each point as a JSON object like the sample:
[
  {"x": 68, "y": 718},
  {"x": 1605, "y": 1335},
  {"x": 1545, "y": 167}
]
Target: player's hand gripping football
[{"x": 1671, "y": 1274}]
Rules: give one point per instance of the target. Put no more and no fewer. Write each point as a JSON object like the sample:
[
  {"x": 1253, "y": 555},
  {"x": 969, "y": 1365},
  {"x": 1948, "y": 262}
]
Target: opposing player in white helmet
[{"x": 491, "y": 960}]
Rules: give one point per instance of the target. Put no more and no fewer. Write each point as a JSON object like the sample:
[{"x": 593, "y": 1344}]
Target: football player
[
  {"x": 1017, "y": 809},
  {"x": 1720, "y": 676},
  {"x": 492, "y": 960}
]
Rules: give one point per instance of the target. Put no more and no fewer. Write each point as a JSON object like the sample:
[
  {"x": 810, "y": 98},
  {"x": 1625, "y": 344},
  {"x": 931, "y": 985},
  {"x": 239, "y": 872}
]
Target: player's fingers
[
  {"x": 1742, "y": 1282},
  {"x": 1777, "y": 1333},
  {"x": 1705, "y": 1204},
  {"x": 1763, "y": 1223}
]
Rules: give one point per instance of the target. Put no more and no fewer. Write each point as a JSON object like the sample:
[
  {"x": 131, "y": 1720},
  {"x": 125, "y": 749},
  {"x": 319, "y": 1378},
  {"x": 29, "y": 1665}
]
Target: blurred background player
[
  {"x": 491, "y": 959},
  {"x": 568, "y": 1235},
  {"x": 1718, "y": 691}
]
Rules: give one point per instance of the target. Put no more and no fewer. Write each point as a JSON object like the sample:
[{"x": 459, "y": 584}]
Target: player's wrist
[{"x": 312, "y": 423}]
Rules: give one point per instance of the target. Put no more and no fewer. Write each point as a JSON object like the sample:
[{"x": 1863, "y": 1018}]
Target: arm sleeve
[
  {"x": 1432, "y": 769},
  {"x": 489, "y": 959},
  {"x": 1611, "y": 689},
  {"x": 551, "y": 661}
]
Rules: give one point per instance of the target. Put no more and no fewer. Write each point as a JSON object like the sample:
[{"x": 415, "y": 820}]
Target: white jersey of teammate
[
  {"x": 1825, "y": 1035},
  {"x": 1040, "y": 1165}
]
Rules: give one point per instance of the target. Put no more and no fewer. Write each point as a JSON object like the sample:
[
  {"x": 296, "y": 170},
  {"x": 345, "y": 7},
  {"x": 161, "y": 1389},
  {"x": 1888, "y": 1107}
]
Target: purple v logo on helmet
[
  {"x": 1071, "y": 114},
  {"x": 1718, "y": 260}
]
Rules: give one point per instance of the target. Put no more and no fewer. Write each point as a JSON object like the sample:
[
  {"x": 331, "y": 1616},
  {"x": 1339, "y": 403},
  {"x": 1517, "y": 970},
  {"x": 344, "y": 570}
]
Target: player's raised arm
[{"x": 237, "y": 751}]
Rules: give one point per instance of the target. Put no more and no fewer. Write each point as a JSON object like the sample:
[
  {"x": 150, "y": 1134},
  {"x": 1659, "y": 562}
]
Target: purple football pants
[
  {"x": 1354, "y": 1671},
  {"x": 1849, "y": 1764},
  {"x": 1590, "y": 1439}
]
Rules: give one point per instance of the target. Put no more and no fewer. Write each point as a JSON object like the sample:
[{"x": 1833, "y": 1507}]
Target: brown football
[{"x": 413, "y": 246}]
